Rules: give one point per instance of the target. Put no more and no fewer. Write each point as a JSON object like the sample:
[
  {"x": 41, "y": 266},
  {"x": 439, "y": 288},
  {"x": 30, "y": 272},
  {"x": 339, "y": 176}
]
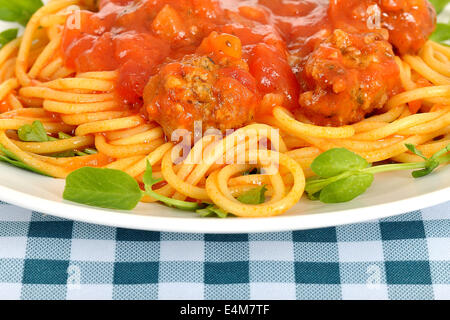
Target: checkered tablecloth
[{"x": 405, "y": 257}]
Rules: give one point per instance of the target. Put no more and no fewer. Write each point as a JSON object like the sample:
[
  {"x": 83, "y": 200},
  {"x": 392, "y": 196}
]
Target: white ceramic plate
[{"x": 391, "y": 194}]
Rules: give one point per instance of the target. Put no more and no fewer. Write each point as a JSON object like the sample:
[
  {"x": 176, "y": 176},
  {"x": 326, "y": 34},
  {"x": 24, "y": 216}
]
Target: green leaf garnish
[
  {"x": 430, "y": 164},
  {"x": 336, "y": 161},
  {"x": 73, "y": 153},
  {"x": 254, "y": 196},
  {"x": 442, "y": 33},
  {"x": 11, "y": 158},
  {"x": 64, "y": 154},
  {"x": 343, "y": 175},
  {"x": 439, "y": 5},
  {"x": 7, "y": 36},
  {"x": 346, "y": 189},
  {"x": 150, "y": 181},
  {"x": 148, "y": 178},
  {"x": 115, "y": 189},
  {"x": 8, "y": 153},
  {"x": 315, "y": 184},
  {"x": 80, "y": 153},
  {"x": 63, "y": 135},
  {"x": 90, "y": 151},
  {"x": 414, "y": 150},
  {"x": 212, "y": 210},
  {"x": 34, "y": 133},
  {"x": 105, "y": 188},
  {"x": 18, "y": 10}
]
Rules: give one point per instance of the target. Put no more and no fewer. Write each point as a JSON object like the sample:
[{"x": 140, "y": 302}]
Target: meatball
[
  {"x": 409, "y": 22},
  {"x": 214, "y": 88},
  {"x": 347, "y": 77}
]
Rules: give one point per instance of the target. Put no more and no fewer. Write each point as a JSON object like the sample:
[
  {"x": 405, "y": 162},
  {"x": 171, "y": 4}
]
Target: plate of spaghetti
[{"x": 274, "y": 114}]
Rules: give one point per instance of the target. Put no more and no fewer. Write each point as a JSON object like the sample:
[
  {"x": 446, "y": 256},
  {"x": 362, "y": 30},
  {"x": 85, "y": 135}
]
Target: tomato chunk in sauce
[{"x": 216, "y": 60}]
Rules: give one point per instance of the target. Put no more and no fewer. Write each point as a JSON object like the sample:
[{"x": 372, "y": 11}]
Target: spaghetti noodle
[{"x": 38, "y": 84}]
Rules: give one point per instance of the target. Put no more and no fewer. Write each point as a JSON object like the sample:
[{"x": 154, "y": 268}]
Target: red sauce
[
  {"x": 95, "y": 160},
  {"x": 4, "y": 107},
  {"x": 409, "y": 22},
  {"x": 277, "y": 37}
]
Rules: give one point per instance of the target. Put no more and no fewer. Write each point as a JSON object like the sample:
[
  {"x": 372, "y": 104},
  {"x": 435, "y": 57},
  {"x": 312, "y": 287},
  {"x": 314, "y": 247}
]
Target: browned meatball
[
  {"x": 198, "y": 89},
  {"x": 409, "y": 22},
  {"x": 346, "y": 77}
]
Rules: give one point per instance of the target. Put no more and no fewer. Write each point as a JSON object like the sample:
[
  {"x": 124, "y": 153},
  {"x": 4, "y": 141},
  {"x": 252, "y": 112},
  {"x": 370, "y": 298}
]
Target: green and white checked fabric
[{"x": 405, "y": 257}]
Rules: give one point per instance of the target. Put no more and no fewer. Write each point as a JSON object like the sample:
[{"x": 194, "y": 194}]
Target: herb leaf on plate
[
  {"x": 430, "y": 163},
  {"x": 7, "y": 36},
  {"x": 11, "y": 158},
  {"x": 34, "y": 133},
  {"x": 346, "y": 189},
  {"x": 439, "y": 5},
  {"x": 19, "y": 11},
  {"x": 150, "y": 181},
  {"x": 212, "y": 210},
  {"x": 336, "y": 161},
  {"x": 442, "y": 33},
  {"x": 254, "y": 196},
  {"x": 105, "y": 188},
  {"x": 343, "y": 175},
  {"x": 114, "y": 189}
]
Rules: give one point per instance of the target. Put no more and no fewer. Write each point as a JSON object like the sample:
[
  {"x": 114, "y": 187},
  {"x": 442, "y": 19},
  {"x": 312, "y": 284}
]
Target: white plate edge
[{"x": 223, "y": 226}]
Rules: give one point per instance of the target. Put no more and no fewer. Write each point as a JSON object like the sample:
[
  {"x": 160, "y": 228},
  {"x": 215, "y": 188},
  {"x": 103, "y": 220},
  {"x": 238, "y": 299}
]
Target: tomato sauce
[
  {"x": 277, "y": 39},
  {"x": 409, "y": 22},
  {"x": 4, "y": 107}
]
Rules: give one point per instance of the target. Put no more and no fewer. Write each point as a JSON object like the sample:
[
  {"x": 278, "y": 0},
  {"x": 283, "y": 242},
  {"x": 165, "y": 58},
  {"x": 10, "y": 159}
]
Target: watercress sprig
[
  {"x": 212, "y": 210},
  {"x": 85, "y": 152},
  {"x": 253, "y": 196},
  {"x": 442, "y": 33},
  {"x": 7, "y": 36},
  {"x": 439, "y": 5},
  {"x": 343, "y": 175},
  {"x": 34, "y": 132},
  {"x": 150, "y": 181},
  {"x": 104, "y": 188},
  {"x": 11, "y": 158},
  {"x": 115, "y": 189},
  {"x": 19, "y": 11}
]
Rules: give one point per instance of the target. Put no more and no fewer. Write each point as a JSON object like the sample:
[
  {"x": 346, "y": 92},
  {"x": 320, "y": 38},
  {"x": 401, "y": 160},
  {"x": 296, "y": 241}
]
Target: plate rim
[{"x": 123, "y": 219}]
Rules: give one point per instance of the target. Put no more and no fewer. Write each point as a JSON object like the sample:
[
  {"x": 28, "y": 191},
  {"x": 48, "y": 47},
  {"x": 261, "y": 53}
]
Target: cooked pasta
[{"x": 54, "y": 75}]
